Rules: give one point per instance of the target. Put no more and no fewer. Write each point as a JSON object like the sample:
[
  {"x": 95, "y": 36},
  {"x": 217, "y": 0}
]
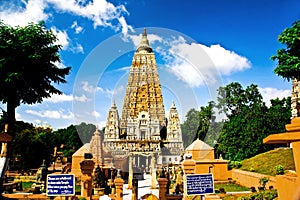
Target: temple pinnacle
[{"x": 144, "y": 44}]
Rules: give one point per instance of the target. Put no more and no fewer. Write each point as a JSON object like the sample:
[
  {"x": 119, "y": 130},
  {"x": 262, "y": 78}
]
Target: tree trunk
[
  {"x": 11, "y": 117},
  {"x": 10, "y": 121}
]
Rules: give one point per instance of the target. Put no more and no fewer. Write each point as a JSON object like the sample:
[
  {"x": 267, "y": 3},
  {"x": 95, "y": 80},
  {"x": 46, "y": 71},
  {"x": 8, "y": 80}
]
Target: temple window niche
[{"x": 143, "y": 134}]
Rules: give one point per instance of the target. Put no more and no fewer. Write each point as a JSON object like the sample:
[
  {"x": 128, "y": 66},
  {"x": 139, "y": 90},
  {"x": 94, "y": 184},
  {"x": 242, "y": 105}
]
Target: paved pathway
[{"x": 144, "y": 188}]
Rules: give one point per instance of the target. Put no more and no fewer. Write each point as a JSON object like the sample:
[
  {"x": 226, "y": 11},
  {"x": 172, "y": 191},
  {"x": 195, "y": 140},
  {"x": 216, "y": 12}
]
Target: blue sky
[{"x": 200, "y": 45}]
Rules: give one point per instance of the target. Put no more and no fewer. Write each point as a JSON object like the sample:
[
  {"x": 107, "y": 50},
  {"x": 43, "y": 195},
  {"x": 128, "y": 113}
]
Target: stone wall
[
  {"x": 251, "y": 179},
  {"x": 217, "y": 167},
  {"x": 285, "y": 186}
]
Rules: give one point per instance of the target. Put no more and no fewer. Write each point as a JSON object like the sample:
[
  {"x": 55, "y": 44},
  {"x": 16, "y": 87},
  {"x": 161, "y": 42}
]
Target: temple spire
[
  {"x": 114, "y": 104},
  {"x": 144, "y": 44},
  {"x": 173, "y": 105}
]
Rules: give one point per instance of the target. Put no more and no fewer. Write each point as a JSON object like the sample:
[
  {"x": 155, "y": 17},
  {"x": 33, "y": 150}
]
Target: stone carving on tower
[
  {"x": 142, "y": 128},
  {"x": 295, "y": 100},
  {"x": 174, "y": 135},
  {"x": 96, "y": 148},
  {"x": 112, "y": 124},
  {"x": 143, "y": 91}
]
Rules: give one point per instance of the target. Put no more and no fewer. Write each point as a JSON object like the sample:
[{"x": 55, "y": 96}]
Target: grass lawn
[
  {"x": 266, "y": 162},
  {"x": 231, "y": 187}
]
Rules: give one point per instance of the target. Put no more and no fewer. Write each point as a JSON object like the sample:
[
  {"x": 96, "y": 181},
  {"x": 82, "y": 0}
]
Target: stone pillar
[
  {"x": 296, "y": 151},
  {"x": 119, "y": 182},
  {"x": 130, "y": 176},
  {"x": 135, "y": 193},
  {"x": 87, "y": 167},
  {"x": 188, "y": 167},
  {"x": 3, "y": 150},
  {"x": 133, "y": 160},
  {"x": 153, "y": 172},
  {"x": 147, "y": 164},
  {"x": 163, "y": 184}
]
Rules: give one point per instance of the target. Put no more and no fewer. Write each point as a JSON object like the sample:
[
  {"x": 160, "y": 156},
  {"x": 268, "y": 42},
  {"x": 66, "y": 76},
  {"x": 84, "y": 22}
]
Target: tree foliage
[
  {"x": 279, "y": 115},
  {"x": 249, "y": 121},
  {"x": 206, "y": 117},
  {"x": 289, "y": 57},
  {"x": 190, "y": 126},
  {"x": 33, "y": 144},
  {"x": 28, "y": 65},
  {"x": 69, "y": 139},
  {"x": 202, "y": 125}
]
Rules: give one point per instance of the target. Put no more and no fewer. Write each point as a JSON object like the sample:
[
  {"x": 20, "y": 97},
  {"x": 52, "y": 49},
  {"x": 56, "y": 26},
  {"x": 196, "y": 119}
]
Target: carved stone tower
[
  {"x": 96, "y": 147},
  {"x": 143, "y": 91},
  {"x": 174, "y": 135},
  {"x": 143, "y": 133},
  {"x": 112, "y": 124}
]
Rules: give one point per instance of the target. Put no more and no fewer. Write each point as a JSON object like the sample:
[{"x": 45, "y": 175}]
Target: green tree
[
  {"x": 85, "y": 131},
  {"x": 279, "y": 114},
  {"x": 67, "y": 140},
  {"x": 189, "y": 126},
  {"x": 28, "y": 58},
  {"x": 249, "y": 121},
  {"x": 245, "y": 128},
  {"x": 70, "y": 139},
  {"x": 289, "y": 57},
  {"x": 28, "y": 70},
  {"x": 32, "y": 145},
  {"x": 206, "y": 118}
]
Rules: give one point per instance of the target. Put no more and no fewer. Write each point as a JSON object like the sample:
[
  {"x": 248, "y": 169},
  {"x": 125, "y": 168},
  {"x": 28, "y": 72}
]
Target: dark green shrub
[
  {"x": 222, "y": 191},
  {"x": 263, "y": 181},
  {"x": 234, "y": 164},
  {"x": 279, "y": 170}
]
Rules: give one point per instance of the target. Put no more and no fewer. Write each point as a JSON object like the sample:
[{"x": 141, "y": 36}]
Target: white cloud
[
  {"x": 197, "y": 64},
  {"x": 125, "y": 26},
  {"x": 52, "y": 114},
  {"x": 96, "y": 114},
  {"x": 89, "y": 88},
  {"x": 226, "y": 61},
  {"x": 18, "y": 116},
  {"x": 187, "y": 73},
  {"x": 92, "y": 89},
  {"x": 100, "y": 12},
  {"x": 63, "y": 38},
  {"x": 56, "y": 98},
  {"x": 102, "y": 124},
  {"x": 273, "y": 93},
  {"x": 77, "y": 48},
  {"x": 29, "y": 11},
  {"x": 78, "y": 29},
  {"x": 81, "y": 98}
]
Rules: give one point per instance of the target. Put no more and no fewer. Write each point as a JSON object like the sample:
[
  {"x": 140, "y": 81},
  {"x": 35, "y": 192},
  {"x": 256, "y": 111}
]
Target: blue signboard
[
  {"x": 198, "y": 184},
  {"x": 60, "y": 185}
]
